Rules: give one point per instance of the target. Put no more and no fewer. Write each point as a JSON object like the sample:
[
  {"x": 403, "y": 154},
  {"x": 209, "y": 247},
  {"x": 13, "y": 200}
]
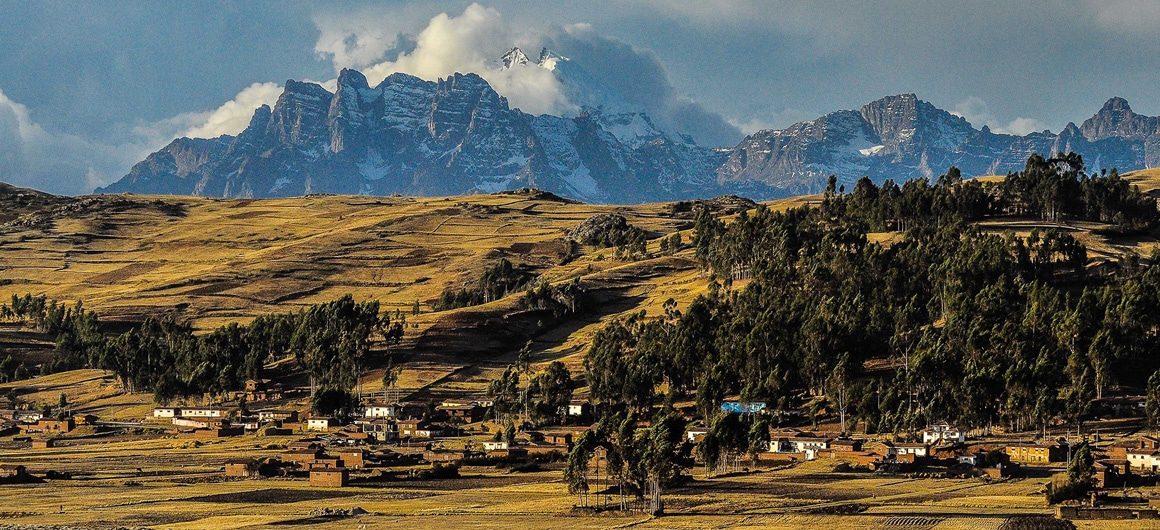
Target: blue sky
[{"x": 88, "y": 89}]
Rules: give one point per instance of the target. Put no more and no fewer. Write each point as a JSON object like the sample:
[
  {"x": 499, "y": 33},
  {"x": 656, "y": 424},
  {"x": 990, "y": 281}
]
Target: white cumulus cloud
[
  {"x": 978, "y": 113},
  {"x": 32, "y": 156},
  {"x": 234, "y": 115},
  {"x": 363, "y": 37},
  {"x": 472, "y": 43}
]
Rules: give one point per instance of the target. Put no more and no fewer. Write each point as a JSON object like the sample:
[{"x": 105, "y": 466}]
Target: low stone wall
[{"x": 1086, "y": 513}]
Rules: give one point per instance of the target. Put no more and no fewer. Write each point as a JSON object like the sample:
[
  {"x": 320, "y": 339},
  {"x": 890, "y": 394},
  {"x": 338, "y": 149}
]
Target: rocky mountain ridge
[
  {"x": 416, "y": 137},
  {"x": 457, "y": 135},
  {"x": 902, "y": 138}
]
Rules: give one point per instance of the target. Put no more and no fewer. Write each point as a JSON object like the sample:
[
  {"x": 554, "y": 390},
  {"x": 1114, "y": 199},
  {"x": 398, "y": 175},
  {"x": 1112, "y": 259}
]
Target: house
[
  {"x": 495, "y": 446},
  {"x": 1121, "y": 447},
  {"x": 52, "y": 426},
  {"x": 213, "y": 432},
  {"x": 262, "y": 390},
  {"x": 410, "y": 410},
  {"x": 12, "y": 471},
  {"x": 803, "y": 443},
  {"x": 884, "y": 449},
  {"x": 509, "y": 453},
  {"x": 1118, "y": 406},
  {"x": 556, "y": 439},
  {"x": 410, "y": 428},
  {"x": 199, "y": 423},
  {"x": 278, "y": 415},
  {"x": 381, "y": 429},
  {"x": 696, "y": 434},
  {"x": 431, "y": 431},
  {"x": 166, "y": 412},
  {"x": 329, "y": 477},
  {"x": 919, "y": 450},
  {"x": 846, "y": 445},
  {"x": 85, "y": 419},
  {"x": 320, "y": 423},
  {"x": 779, "y": 439},
  {"x": 349, "y": 437},
  {"x": 241, "y": 468},
  {"x": 943, "y": 433},
  {"x": 330, "y": 462},
  {"x": 1112, "y": 473},
  {"x": 1144, "y": 459},
  {"x": 468, "y": 413},
  {"x": 303, "y": 457},
  {"x": 1035, "y": 453},
  {"x": 43, "y": 443},
  {"x": 351, "y": 457},
  {"x": 203, "y": 412},
  {"x": 249, "y": 423},
  {"x": 445, "y": 455},
  {"x": 379, "y": 410},
  {"x": 26, "y": 416},
  {"x": 579, "y": 408},
  {"x": 793, "y": 441}
]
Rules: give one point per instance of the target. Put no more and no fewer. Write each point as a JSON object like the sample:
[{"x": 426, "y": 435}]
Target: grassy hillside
[
  {"x": 216, "y": 261},
  {"x": 213, "y": 261}
]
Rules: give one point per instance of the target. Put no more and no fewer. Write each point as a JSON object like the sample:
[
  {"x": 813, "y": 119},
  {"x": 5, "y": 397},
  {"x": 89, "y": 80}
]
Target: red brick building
[{"x": 329, "y": 477}]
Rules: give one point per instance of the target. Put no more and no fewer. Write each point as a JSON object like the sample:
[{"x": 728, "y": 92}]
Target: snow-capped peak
[
  {"x": 514, "y": 57},
  {"x": 548, "y": 59}
]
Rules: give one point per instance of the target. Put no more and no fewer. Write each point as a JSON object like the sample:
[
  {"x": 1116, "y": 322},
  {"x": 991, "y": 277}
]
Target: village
[{"x": 411, "y": 440}]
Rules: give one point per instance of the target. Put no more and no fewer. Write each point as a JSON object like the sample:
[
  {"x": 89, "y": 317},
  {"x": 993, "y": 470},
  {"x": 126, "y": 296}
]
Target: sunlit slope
[
  {"x": 218, "y": 259},
  {"x": 1147, "y": 179},
  {"x": 215, "y": 261}
]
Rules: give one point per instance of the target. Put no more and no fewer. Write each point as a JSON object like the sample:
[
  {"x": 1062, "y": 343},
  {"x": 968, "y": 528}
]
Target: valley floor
[{"x": 164, "y": 482}]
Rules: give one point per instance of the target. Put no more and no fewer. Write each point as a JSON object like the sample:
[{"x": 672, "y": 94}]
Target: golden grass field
[
  {"x": 162, "y": 482},
  {"x": 154, "y": 480},
  {"x": 214, "y": 261}
]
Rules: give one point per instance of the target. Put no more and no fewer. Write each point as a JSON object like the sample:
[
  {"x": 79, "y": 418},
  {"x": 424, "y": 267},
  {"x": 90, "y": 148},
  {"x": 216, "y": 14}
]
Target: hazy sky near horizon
[{"x": 89, "y": 89}]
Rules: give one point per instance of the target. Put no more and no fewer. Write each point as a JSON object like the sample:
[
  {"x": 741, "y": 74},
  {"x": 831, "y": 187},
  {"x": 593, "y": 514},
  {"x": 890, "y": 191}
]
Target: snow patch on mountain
[
  {"x": 373, "y": 167},
  {"x": 581, "y": 184}
]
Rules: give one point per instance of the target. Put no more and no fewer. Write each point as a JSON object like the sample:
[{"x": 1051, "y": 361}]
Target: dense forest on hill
[
  {"x": 979, "y": 327},
  {"x": 329, "y": 341}
]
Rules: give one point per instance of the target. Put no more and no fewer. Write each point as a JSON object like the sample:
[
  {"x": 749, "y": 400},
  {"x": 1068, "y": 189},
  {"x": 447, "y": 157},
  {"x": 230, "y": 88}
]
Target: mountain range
[{"x": 457, "y": 135}]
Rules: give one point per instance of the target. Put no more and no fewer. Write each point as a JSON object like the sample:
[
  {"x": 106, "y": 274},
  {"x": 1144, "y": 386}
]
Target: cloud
[
  {"x": 1119, "y": 15},
  {"x": 976, "y": 111},
  {"x": 772, "y": 120},
  {"x": 474, "y": 40},
  {"x": 640, "y": 77},
  {"x": 234, "y": 115},
  {"x": 472, "y": 43},
  {"x": 363, "y": 37},
  {"x": 13, "y": 128},
  {"x": 32, "y": 156}
]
